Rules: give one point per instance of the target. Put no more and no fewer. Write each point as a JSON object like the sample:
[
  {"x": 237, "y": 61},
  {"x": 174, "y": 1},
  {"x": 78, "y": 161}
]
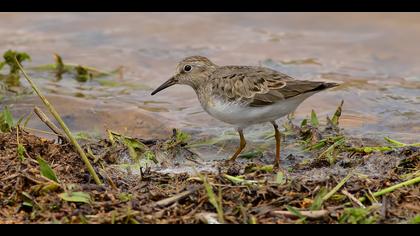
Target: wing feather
[{"x": 259, "y": 86}]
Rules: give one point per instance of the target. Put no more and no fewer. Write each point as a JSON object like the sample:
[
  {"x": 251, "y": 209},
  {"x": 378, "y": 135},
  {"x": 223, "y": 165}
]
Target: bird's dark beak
[{"x": 165, "y": 85}]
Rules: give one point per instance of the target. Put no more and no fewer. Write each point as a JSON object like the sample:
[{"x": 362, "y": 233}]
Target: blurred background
[{"x": 374, "y": 55}]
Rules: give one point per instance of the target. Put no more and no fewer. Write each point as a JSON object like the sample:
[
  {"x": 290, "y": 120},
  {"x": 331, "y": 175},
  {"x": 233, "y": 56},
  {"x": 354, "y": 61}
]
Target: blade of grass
[
  {"x": 331, "y": 148},
  {"x": 21, "y": 151},
  {"x": 337, "y": 187},
  {"x": 63, "y": 126},
  {"x": 317, "y": 202},
  {"x": 400, "y": 144},
  {"x": 239, "y": 180},
  {"x": 295, "y": 212},
  {"x": 213, "y": 199},
  {"x": 393, "y": 187},
  {"x": 395, "y": 142}
]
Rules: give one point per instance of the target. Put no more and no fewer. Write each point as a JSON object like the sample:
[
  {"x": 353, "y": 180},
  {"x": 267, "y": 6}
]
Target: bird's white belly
[{"x": 242, "y": 116}]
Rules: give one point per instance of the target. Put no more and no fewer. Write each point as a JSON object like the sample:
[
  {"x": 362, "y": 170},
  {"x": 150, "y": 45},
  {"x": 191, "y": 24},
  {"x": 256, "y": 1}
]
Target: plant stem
[
  {"x": 337, "y": 187},
  {"x": 47, "y": 121},
  {"x": 394, "y": 187},
  {"x": 63, "y": 126}
]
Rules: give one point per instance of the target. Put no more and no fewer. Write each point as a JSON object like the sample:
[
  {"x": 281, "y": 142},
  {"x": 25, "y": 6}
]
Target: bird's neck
[
  {"x": 202, "y": 91},
  {"x": 199, "y": 83}
]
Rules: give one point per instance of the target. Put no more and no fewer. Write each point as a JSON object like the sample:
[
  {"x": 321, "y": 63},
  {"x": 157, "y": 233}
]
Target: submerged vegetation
[
  {"x": 11, "y": 81},
  {"x": 122, "y": 179}
]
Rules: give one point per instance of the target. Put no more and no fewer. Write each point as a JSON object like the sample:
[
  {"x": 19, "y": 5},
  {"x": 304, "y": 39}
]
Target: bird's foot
[{"x": 277, "y": 167}]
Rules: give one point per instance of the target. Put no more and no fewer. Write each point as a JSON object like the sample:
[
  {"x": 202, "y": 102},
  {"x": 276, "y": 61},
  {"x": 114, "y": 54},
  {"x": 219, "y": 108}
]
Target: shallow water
[{"x": 374, "y": 56}]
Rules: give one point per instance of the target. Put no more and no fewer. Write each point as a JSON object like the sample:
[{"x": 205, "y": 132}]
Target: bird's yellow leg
[
  {"x": 277, "y": 135},
  {"x": 241, "y": 147}
]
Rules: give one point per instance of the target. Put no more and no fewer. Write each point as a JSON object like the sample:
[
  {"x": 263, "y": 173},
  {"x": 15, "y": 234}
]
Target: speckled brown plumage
[{"x": 259, "y": 86}]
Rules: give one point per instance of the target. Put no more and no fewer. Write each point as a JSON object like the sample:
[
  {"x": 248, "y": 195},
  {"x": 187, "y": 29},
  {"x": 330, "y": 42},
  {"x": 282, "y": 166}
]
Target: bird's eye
[{"x": 187, "y": 68}]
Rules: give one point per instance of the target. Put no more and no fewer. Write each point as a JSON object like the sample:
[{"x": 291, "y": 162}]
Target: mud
[{"x": 153, "y": 195}]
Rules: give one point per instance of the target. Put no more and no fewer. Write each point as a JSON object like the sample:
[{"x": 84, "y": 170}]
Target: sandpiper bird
[{"x": 243, "y": 95}]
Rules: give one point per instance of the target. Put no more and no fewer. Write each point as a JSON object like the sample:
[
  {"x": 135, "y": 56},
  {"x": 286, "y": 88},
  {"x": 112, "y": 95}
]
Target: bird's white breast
[{"x": 241, "y": 115}]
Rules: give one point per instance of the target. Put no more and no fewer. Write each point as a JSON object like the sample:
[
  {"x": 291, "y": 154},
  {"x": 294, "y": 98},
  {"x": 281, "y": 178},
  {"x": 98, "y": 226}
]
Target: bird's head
[{"x": 190, "y": 71}]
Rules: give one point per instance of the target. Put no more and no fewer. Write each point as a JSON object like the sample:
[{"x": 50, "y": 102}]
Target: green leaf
[
  {"x": 303, "y": 123},
  {"x": 134, "y": 146},
  {"x": 182, "y": 137},
  {"x": 264, "y": 168},
  {"x": 111, "y": 137},
  {"x": 21, "y": 152},
  {"x": 357, "y": 216},
  {"x": 370, "y": 149},
  {"x": 82, "y": 74},
  {"x": 314, "y": 119},
  {"x": 52, "y": 186},
  {"x": 415, "y": 220},
  {"x": 239, "y": 180},
  {"x": 82, "y": 135},
  {"x": 210, "y": 194},
  {"x": 295, "y": 212},
  {"x": 251, "y": 154},
  {"x": 317, "y": 203},
  {"x": 29, "y": 201},
  {"x": 280, "y": 178},
  {"x": 2, "y": 64},
  {"x": 125, "y": 197},
  {"x": 395, "y": 142},
  {"x": 337, "y": 114},
  {"x": 216, "y": 202},
  {"x": 6, "y": 120},
  {"x": 339, "y": 141},
  {"x": 46, "y": 170},
  {"x": 59, "y": 65},
  {"x": 9, "y": 57},
  {"x": 76, "y": 197}
]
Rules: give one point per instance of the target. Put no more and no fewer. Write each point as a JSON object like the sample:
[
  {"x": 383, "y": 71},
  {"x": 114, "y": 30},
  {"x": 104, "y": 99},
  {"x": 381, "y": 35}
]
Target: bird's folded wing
[
  {"x": 291, "y": 89},
  {"x": 258, "y": 86}
]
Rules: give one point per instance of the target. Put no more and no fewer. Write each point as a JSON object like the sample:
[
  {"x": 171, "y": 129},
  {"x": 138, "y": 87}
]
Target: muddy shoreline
[{"x": 248, "y": 192}]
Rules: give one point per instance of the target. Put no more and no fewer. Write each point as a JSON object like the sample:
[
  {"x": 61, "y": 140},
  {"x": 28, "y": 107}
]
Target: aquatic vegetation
[
  {"x": 11, "y": 80},
  {"x": 87, "y": 78},
  {"x": 84, "y": 72},
  {"x": 9, "y": 60}
]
